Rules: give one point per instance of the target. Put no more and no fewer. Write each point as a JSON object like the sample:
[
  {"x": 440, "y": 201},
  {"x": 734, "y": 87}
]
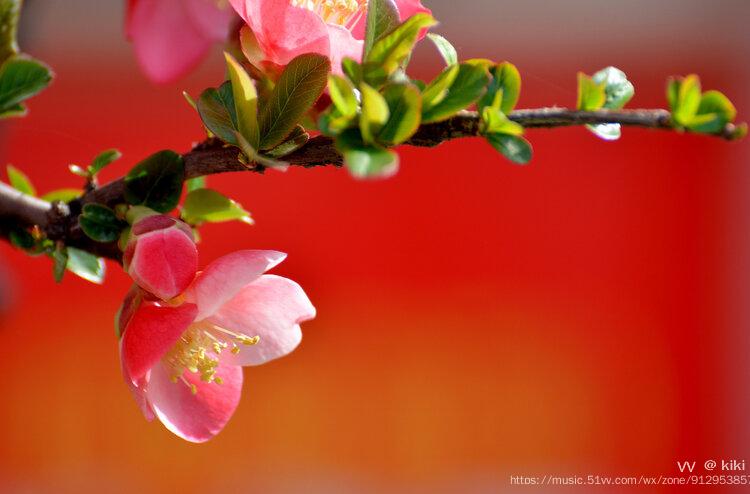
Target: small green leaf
[
  {"x": 216, "y": 109},
  {"x": 296, "y": 140},
  {"x": 21, "y": 239},
  {"x": 617, "y": 88},
  {"x": 18, "y": 110},
  {"x": 156, "y": 182},
  {"x": 254, "y": 156},
  {"x": 365, "y": 161},
  {"x": 100, "y": 223},
  {"x": 9, "y": 13},
  {"x": 608, "y": 131},
  {"x": 437, "y": 90},
  {"x": 245, "y": 101},
  {"x": 684, "y": 97},
  {"x": 104, "y": 159},
  {"x": 352, "y": 69},
  {"x": 211, "y": 206},
  {"x": 60, "y": 261},
  {"x": 496, "y": 122},
  {"x": 504, "y": 89},
  {"x": 468, "y": 86},
  {"x": 300, "y": 85},
  {"x": 714, "y": 113},
  {"x": 62, "y": 195},
  {"x": 515, "y": 148},
  {"x": 87, "y": 266},
  {"x": 342, "y": 95},
  {"x": 389, "y": 52},
  {"x": 446, "y": 49},
  {"x": 19, "y": 181},
  {"x": 591, "y": 96},
  {"x": 190, "y": 100},
  {"x": 195, "y": 183},
  {"x": 21, "y": 77},
  {"x": 375, "y": 113},
  {"x": 382, "y": 18},
  {"x": 77, "y": 170},
  {"x": 405, "y": 108}
]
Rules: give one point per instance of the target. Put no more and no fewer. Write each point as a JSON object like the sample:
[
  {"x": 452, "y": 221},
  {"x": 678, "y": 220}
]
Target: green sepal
[{"x": 156, "y": 182}]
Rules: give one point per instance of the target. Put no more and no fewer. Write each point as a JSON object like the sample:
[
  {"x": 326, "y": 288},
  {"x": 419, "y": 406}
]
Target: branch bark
[{"x": 60, "y": 221}]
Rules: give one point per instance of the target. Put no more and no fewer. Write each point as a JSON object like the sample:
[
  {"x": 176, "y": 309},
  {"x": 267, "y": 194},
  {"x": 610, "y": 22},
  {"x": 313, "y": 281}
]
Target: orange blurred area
[{"x": 583, "y": 315}]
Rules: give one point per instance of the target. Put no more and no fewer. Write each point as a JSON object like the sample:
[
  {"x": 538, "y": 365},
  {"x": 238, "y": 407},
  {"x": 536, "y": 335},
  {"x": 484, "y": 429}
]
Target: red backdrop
[{"x": 582, "y": 315}]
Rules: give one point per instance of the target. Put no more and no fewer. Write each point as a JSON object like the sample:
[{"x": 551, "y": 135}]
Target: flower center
[
  {"x": 344, "y": 13},
  {"x": 198, "y": 351}
]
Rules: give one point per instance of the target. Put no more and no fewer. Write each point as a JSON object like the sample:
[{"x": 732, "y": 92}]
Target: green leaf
[
  {"x": 60, "y": 261},
  {"x": 156, "y": 182},
  {"x": 296, "y": 140},
  {"x": 217, "y": 111},
  {"x": 389, "y": 52},
  {"x": 365, "y": 161},
  {"x": 62, "y": 195},
  {"x": 245, "y": 101},
  {"x": 21, "y": 77},
  {"x": 21, "y": 239},
  {"x": 684, "y": 97},
  {"x": 591, "y": 96},
  {"x": 714, "y": 113},
  {"x": 342, "y": 95},
  {"x": 19, "y": 181},
  {"x": 9, "y": 13},
  {"x": 437, "y": 90},
  {"x": 504, "y": 89},
  {"x": 375, "y": 113},
  {"x": 617, "y": 88},
  {"x": 77, "y": 170},
  {"x": 100, "y": 223},
  {"x": 607, "y": 131},
  {"x": 515, "y": 148},
  {"x": 496, "y": 122},
  {"x": 300, "y": 85},
  {"x": 469, "y": 85},
  {"x": 382, "y": 18},
  {"x": 195, "y": 183},
  {"x": 211, "y": 206},
  {"x": 446, "y": 49},
  {"x": 87, "y": 266},
  {"x": 104, "y": 159},
  {"x": 352, "y": 69},
  {"x": 405, "y": 106},
  {"x": 254, "y": 156},
  {"x": 18, "y": 110}
]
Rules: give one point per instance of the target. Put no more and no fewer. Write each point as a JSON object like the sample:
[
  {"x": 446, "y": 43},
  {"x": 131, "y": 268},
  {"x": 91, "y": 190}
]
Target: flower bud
[{"x": 161, "y": 256}]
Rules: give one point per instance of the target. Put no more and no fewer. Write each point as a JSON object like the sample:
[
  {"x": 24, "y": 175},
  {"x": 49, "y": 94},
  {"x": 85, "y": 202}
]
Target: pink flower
[
  {"x": 285, "y": 29},
  {"x": 161, "y": 256},
  {"x": 184, "y": 363},
  {"x": 172, "y": 36}
]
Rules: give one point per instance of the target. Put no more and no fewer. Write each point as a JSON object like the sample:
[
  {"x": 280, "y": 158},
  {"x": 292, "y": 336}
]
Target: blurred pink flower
[
  {"x": 285, "y": 29},
  {"x": 161, "y": 256},
  {"x": 184, "y": 363},
  {"x": 172, "y": 36}
]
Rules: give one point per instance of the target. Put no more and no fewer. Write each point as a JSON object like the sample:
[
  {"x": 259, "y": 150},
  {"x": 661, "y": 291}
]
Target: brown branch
[{"x": 60, "y": 221}]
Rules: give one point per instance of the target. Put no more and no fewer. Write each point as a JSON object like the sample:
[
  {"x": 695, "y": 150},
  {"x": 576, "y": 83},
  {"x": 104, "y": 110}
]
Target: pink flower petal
[
  {"x": 282, "y": 30},
  {"x": 163, "y": 261},
  {"x": 168, "y": 43},
  {"x": 211, "y": 18},
  {"x": 138, "y": 392},
  {"x": 343, "y": 45},
  {"x": 195, "y": 417},
  {"x": 151, "y": 332},
  {"x": 270, "y": 307},
  {"x": 227, "y": 275}
]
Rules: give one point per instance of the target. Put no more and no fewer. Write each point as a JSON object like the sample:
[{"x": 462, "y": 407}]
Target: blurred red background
[{"x": 582, "y": 315}]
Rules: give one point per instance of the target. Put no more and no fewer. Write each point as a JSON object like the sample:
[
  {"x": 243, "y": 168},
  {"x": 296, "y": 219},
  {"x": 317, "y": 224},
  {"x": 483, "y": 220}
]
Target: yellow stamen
[{"x": 344, "y": 13}]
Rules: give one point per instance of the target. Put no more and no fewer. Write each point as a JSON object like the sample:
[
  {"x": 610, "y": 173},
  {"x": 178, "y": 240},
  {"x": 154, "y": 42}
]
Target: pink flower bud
[{"x": 161, "y": 256}]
